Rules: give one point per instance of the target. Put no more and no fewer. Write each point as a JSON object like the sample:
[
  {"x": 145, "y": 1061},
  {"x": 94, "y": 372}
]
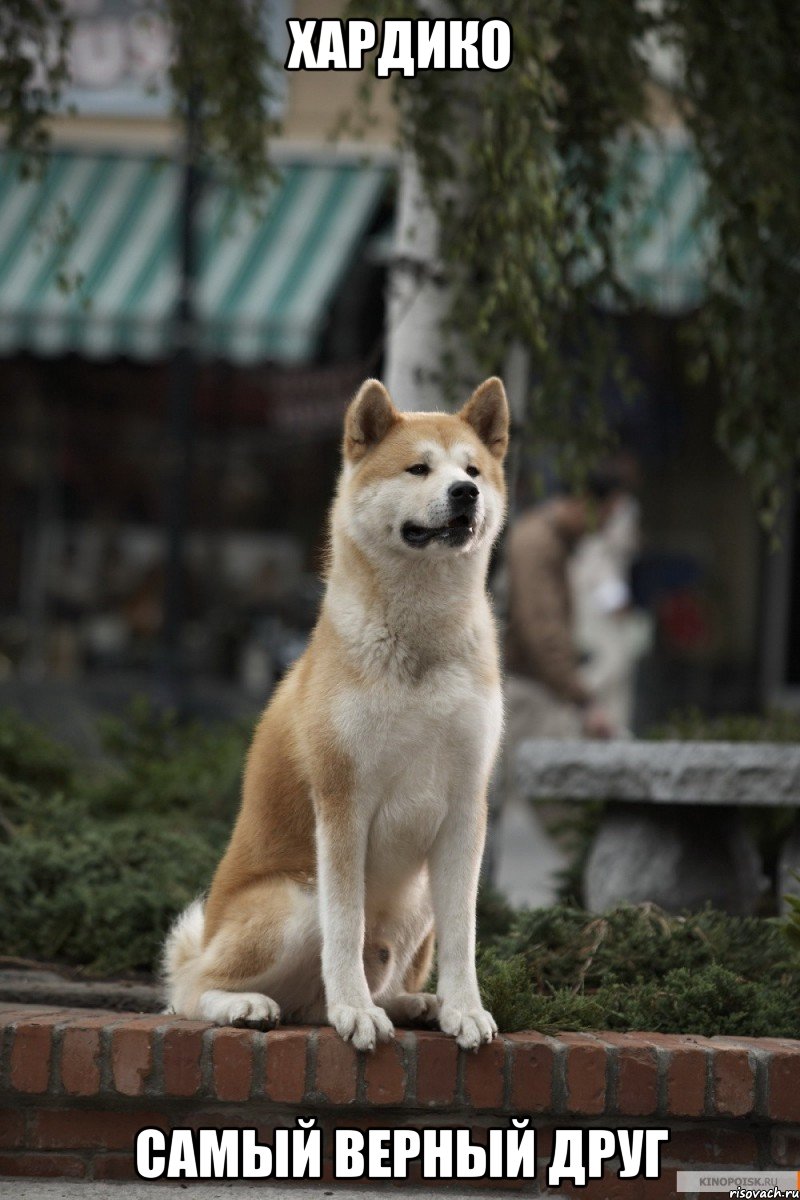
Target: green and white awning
[
  {"x": 88, "y": 252},
  {"x": 88, "y": 257}
]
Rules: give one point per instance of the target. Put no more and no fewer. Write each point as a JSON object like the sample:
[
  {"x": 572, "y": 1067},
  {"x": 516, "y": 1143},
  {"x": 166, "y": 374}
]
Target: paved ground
[{"x": 58, "y": 1189}]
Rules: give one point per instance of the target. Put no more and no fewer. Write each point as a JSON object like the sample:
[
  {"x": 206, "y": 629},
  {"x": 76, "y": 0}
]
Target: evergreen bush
[{"x": 96, "y": 860}]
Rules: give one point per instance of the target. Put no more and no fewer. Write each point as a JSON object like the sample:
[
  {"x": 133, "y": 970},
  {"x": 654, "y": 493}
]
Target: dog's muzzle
[{"x": 462, "y": 498}]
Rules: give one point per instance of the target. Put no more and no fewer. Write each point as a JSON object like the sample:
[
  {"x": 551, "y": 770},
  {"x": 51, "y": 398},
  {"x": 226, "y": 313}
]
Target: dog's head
[{"x": 424, "y": 484}]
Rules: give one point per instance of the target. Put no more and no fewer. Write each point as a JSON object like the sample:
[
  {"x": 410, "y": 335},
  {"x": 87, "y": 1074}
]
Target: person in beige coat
[
  {"x": 545, "y": 689},
  {"x": 545, "y": 694}
]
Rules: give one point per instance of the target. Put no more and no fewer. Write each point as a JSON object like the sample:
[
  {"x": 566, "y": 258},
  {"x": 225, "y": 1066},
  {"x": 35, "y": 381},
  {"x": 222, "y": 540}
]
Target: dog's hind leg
[
  {"x": 419, "y": 968},
  {"x": 262, "y": 958},
  {"x": 239, "y": 1008},
  {"x": 412, "y": 1004}
]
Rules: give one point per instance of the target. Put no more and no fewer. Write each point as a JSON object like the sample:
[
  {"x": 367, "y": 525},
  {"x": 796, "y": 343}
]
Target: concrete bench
[{"x": 672, "y": 832}]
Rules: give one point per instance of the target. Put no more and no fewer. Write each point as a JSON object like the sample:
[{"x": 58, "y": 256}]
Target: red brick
[
  {"x": 51, "y": 1166},
  {"x": 182, "y": 1049},
  {"x": 31, "y": 1054},
  {"x": 585, "y": 1074},
  {"x": 285, "y": 1079},
  {"x": 784, "y": 1085},
  {"x": 87, "y": 1129},
  {"x": 12, "y": 1013},
  {"x": 532, "y": 1073},
  {"x": 131, "y": 1059},
  {"x": 114, "y": 1166},
  {"x": 687, "y": 1073},
  {"x": 232, "y": 1063},
  {"x": 385, "y": 1073},
  {"x": 544, "y": 1141},
  {"x": 484, "y": 1082},
  {"x": 80, "y": 1061},
  {"x": 327, "y": 1175},
  {"x": 375, "y": 1118},
  {"x": 663, "y": 1188},
  {"x": 734, "y": 1083},
  {"x": 610, "y": 1187},
  {"x": 83, "y": 1017},
  {"x": 337, "y": 1067},
  {"x": 426, "y": 1187},
  {"x": 711, "y": 1145},
  {"x": 12, "y": 1128},
  {"x": 637, "y": 1073},
  {"x": 782, "y": 1045},
  {"x": 437, "y": 1061},
  {"x": 786, "y": 1147}
]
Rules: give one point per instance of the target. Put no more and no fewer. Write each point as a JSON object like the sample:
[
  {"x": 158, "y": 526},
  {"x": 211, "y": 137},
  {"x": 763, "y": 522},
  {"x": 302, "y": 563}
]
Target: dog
[{"x": 363, "y": 812}]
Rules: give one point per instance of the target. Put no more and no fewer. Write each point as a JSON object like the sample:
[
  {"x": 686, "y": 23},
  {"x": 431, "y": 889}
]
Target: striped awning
[{"x": 88, "y": 257}]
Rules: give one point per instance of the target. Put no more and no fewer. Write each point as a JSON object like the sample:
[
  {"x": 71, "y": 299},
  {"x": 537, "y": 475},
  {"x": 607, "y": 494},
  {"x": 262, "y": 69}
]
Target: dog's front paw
[
  {"x": 361, "y": 1026},
  {"x": 469, "y": 1026}
]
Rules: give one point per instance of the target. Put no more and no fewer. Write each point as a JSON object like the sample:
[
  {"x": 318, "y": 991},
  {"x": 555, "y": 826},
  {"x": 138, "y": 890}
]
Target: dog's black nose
[{"x": 462, "y": 494}]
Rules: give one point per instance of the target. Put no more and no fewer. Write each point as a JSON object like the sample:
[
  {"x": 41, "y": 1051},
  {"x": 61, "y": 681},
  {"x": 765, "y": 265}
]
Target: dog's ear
[
  {"x": 487, "y": 412},
  {"x": 369, "y": 418}
]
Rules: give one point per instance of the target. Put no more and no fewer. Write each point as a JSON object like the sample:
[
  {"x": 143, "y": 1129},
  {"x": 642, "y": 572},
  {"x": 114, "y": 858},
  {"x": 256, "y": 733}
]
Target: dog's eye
[
  {"x": 419, "y": 469},
  {"x": 472, "y": 471}
]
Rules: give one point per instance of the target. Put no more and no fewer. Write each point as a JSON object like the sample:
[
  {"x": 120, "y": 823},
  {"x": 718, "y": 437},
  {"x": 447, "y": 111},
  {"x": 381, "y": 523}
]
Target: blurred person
[
  {"x": 611, "y": 634},
  {"x": 547, "y": 695}
]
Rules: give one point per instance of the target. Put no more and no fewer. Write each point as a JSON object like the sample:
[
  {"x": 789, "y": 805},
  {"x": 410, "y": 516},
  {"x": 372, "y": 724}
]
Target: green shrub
[
  {"x": 692, "y": 725},
  {"x": 96, "y": 860},
  {"x": 30, "y": 756},
  {"x": 100, "y": 894},
  {"x": 95, "y": 863},
  {"x": 792, "y": 922},
  {"x": 567, "y": 947},
  {"x": 638, "y": 968},
  {"x": 160, "y": 765}
]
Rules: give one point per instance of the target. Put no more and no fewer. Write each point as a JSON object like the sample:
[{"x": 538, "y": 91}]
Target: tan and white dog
[{"x": 364, "y": 802}]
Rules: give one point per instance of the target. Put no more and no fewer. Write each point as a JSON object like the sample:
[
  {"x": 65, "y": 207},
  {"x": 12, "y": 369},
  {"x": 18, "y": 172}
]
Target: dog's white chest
[
  {"x": 415, "y": 750},
  {"x": 392, "y": 731}
]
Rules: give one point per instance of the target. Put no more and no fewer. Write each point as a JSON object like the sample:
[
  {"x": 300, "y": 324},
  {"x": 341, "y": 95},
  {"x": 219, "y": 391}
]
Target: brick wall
[{"x": 76, "y": 1085}]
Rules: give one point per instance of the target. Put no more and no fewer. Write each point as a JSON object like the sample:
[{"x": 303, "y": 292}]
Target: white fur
[
  {"x": 238, "y": 1008},
  {"x": 184, "y": 943}
]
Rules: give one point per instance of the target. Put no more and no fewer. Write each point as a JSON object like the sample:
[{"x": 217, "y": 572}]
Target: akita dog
[{"x": 364, "y": 799}]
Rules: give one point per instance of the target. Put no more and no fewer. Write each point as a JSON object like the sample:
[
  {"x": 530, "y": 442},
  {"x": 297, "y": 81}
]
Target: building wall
[{"x": 316, "y": 103}]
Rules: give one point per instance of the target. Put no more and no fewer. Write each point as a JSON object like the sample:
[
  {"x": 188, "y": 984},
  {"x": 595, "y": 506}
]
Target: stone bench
[{"x": 672, "y": 832}]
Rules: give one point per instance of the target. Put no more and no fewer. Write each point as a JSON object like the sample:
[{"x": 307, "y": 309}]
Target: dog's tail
[{"x": 180, "y": 959}]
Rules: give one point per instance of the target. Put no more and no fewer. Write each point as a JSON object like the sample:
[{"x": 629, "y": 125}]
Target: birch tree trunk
[{"x": 417, "y": 300}]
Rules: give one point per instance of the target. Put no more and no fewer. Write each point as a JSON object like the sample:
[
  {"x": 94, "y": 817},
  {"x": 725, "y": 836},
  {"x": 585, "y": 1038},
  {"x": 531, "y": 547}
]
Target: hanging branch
[
  {"x": 34, "y": 40},
  {"x": 226, "y": 43},
  {"x": 225, "y": 40},
  {"x": 742, "y": 81},
  {"x": 518, "y": 166}
]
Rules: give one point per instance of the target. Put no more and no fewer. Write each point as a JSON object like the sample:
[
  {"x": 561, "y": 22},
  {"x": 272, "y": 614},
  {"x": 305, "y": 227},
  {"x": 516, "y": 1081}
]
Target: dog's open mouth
[{"x": 456, "y": 532}]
